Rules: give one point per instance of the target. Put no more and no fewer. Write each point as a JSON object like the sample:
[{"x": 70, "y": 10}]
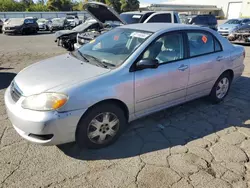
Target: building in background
[{"x": 221, "y": 8}]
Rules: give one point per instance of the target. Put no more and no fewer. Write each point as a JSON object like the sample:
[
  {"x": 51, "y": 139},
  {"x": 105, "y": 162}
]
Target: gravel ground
[{"x": 193, "y": 145}]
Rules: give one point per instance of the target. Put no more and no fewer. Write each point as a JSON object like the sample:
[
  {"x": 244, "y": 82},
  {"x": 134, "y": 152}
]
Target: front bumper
[
  {"x": 42, "y": 27},
  {"x": 224, "y": 33},
  {"x": 11, "y": 31},
  {"x": 44, "y": 128}
]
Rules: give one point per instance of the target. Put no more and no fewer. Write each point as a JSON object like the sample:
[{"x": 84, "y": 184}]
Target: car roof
[
  {"x": 138, "y": 12},
  {"x": 154, "y": 27}
]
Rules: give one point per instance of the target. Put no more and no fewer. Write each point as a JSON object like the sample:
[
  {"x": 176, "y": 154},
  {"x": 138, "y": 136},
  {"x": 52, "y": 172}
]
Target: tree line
[{"x": 63, "y": 5}]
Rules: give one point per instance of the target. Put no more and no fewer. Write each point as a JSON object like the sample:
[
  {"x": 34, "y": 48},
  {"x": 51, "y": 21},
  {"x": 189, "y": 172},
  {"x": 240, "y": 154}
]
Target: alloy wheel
[{"x": 103, "y": 128}]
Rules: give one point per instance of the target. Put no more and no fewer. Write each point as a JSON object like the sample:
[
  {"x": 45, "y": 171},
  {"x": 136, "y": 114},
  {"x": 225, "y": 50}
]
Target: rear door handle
[
  {"x": 219, "y": 58},
  {"x": 183, "y": 67}
]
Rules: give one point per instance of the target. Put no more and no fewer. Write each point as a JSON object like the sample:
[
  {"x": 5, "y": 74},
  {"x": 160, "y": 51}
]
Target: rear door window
[
  {"x": 200, "y": 43},
  {"x": 166, "y": 18}
]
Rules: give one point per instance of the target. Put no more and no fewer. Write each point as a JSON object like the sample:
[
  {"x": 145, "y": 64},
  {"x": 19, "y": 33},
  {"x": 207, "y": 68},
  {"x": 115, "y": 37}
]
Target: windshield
[
  {"x": 113, "y": 47},
  {"x": 70, "y": 17},
  {"x": 57, "y": 20},
  {"x": 234, "y": 21},
  {"x": 41, "y": 20},
  {"x": 131, "y": 18}
]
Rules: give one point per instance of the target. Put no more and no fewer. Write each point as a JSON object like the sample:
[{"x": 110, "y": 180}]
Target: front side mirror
[{"x": 147, "y": 63}]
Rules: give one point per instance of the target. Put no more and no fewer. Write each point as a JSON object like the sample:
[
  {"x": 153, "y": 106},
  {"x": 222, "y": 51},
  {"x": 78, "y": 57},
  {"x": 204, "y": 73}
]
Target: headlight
[{"x": 45, "y": 101}]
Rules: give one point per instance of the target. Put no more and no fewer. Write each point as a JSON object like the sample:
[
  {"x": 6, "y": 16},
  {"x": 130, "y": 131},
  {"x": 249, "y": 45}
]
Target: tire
[
  {"x": 214, "y": 96},
  {"x": 24, "y": 32},
  {"x": 94, "y": 137}
]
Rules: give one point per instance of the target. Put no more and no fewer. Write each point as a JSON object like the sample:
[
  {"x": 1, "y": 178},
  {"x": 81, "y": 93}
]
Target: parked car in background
[
  {"x": 73, "y": 20},
  {"x": 150, "y": 16},
  {"x": 59, "y": 24},
  {"x": 44, "y": 24},
  {"x": 1, "y": 25},
  {"x": 109, "y": 19},
  {"x": 90, "y": 95},
  {"x": 241, "y": 35},
  {"x": 231, "y": 25},
  {"x": 67, "y": 38},
  {"x": 204, "y": 20},
  {"x": 20, "y": 26},
  {"x": 91, "y": 34}
]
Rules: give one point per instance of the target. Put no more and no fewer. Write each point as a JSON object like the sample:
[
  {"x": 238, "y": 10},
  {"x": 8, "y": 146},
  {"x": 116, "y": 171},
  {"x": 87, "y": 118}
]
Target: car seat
[{"x": 171, "y": 49}]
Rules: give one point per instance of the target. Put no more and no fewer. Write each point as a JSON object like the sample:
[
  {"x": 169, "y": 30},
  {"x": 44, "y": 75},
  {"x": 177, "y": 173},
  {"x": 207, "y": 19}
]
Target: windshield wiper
[
  {"x": 82, "y": 55},
  {"x": 103, "y": 63}
]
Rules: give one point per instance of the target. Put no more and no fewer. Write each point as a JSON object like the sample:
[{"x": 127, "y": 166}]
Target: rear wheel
[
  {"x": 221, "y": 88},
  {"x": 101, "y": 126}
]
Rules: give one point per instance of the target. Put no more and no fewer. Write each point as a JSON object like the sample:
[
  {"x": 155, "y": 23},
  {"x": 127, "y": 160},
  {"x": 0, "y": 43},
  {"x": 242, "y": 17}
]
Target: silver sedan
[{"x": 90, "y": 95}]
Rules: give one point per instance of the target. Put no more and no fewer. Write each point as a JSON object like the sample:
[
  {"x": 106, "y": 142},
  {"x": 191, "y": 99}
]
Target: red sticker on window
[
  {"x": 116, "y": 37},
  {"x": 204, "y": 39}
]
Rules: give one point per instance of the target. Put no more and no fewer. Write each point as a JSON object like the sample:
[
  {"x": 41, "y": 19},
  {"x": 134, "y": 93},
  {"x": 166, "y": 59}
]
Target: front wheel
[
  {"x": 221, "y": 88},
  {"x": 101, "y": 126}
]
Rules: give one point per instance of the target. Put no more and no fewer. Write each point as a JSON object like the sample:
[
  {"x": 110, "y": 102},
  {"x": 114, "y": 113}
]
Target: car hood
[
  {"x": 78, "y": 29},
  {"x": 12, "y": 24},
  {"x": 64, "y": 32},
  {"x": 54, "y": 72},
  {"x": 102, "y": 13},
  {"x": 57, "y": 24}
]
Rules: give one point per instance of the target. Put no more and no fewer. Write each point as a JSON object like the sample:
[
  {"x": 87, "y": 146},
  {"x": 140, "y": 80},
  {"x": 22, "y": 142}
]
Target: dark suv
[{"x": 207, "y": 20}]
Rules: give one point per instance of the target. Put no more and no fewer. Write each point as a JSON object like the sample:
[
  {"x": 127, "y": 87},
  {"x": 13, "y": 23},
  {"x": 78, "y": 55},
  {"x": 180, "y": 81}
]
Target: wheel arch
[
  {"x": 230, "y": 72},
  {"x": 117, "y": 102}
]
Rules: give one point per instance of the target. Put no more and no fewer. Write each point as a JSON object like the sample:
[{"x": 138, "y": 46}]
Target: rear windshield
[
  {"x": 234, "y": 21},
  {"x": 131, "y": 18},
  {"x": 70, "y": 17},
  {"x": 200, "y": 20}
]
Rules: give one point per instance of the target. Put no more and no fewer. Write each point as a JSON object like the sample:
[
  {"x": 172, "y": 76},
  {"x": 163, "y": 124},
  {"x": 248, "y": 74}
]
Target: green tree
[
  {"x": 129, "y": 5},
  {"x": 11, "y": 5},
  {"x": 78, "y": 6},
  {"x": 41, "y": 2},
  {"x": 26, "y": 4},
  {"x": 38, "y": 7},
  {"x": 59, "y": 5},
  {"x": 116, "y": 4}
]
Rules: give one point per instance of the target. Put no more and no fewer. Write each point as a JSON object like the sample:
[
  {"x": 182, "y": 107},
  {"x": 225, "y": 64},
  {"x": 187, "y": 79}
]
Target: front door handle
[
  {"x": 219, "y": 58},
  {"x": 183, "y": 67}
]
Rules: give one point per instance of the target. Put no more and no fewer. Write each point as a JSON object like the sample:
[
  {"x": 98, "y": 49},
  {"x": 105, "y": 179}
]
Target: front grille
[{"x": 15, "y": 92}]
